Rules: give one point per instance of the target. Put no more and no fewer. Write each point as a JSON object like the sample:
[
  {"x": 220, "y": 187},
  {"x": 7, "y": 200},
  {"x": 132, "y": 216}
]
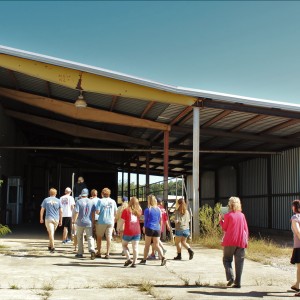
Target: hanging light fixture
[{"x": 80, "y": 102}]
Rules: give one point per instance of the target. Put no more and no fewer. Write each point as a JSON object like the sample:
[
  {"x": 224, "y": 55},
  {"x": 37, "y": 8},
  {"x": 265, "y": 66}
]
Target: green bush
[
  {"x": 4, "y": 230},
  {"x": 209, "y": 219},
  {"x": 210, "y": 231}
]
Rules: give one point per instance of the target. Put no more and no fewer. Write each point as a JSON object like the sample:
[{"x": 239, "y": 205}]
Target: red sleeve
[{"x": 124, "y": 214}]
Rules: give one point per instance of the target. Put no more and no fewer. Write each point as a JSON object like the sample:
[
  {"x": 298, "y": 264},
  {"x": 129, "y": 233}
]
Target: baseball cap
[
  {"x": 124, "y": 199},
  {"x": 84, "y": 192},
  {"x": 68, "y": 190}
]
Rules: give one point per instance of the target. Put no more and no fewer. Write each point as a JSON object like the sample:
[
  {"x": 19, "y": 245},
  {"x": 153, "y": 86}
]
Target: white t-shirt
[{"x": 66, "y": 202}]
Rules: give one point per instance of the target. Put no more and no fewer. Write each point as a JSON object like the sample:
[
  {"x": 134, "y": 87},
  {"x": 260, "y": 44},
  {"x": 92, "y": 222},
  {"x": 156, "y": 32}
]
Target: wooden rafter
[
  {"x": 87, "y": 114},
  {"x": 113, "y": 102},
  {"x": 148, "y": 107},
  {"x": 14, "y": 79},
  {"x": 280, "y": 126},
  {"x": 76, "y": 130},
  {"x": 241, "y": 135},
  {"x": 217, "y": 118},
  {"x": 248, "y": 123}
]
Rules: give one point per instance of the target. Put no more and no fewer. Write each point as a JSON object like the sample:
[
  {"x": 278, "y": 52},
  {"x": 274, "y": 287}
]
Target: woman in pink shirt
[
  {"x": 132, "y": 231},
  {"x": 235, "y": 241}
]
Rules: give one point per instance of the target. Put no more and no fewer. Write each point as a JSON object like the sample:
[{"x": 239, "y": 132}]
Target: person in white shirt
[{"x": 67, "y": 203}]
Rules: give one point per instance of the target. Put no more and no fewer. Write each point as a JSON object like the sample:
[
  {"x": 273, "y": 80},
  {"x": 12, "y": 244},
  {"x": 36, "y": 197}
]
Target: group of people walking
[{"x": 96, "y": 217}]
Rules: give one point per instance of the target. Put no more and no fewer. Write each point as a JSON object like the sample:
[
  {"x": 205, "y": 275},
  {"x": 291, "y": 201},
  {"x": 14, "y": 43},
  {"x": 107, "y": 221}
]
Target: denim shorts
[
  {"x": 129, "y": 238},
  {"x": 184, "y": 233}
]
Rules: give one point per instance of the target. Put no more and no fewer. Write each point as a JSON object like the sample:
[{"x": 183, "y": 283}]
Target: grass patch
[
  {"x": 14, "y": 287},
  {"x": 265, "y": 250}
]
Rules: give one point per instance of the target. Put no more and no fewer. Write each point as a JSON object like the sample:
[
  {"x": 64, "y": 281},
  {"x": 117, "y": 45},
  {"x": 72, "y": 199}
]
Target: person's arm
[
  {"x": 224, "y": 222},
  {"x": 42, "y": 215},
  {"x": 75, "y": 217},
  {"x": 60, "y": 216},
  {"x": 161, "y": 220},
  {"x": 296, "y": 228}
]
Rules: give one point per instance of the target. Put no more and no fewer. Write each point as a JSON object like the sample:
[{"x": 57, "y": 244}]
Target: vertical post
[
  {"x": 270, "y": 204},
  {"x": 147, "y": 175},
  {"x": 166, "y": 164},
  {"x": 122, "y": 191},
  {"x": 166, "y": 173},
  {"x": 138, "y": 178},
  {"x": 196, "y": 164},
  {"x": 128, "y": 182}
]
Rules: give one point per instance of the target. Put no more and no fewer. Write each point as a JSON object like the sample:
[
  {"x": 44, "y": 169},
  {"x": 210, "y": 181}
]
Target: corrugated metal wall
[
  {"x": 254, "y": 191},
  {"x": 285, "y": 186},
  {"x": 227, "y": 184},
  {"x": 253, "y": 181}
]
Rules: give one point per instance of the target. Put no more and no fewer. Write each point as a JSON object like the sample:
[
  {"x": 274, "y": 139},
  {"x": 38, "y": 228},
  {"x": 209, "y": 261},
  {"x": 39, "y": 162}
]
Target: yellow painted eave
[{"x": 90, "y": 82}]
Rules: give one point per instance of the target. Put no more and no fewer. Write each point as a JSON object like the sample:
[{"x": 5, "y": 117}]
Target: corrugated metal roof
[{"x": 136, "y": 80}]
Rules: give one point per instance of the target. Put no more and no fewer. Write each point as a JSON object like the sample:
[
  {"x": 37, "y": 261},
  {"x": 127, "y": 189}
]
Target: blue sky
[{"x": 249, "y": 48}]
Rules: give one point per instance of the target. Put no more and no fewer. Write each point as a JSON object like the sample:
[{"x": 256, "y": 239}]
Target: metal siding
[
  {"x": 207, "y": 189},
  {"x": 282, "y": 212},
  {"x": 5, "y": 79},
  {"x": 285, "y": 172},
  {"x": 256, "y": 211},
  {"x": 227, "y": 182},
  {"x": 254, "y": 177},
  {"x": 264, "y": 124},
  {"x": 232, "y": 120},
  {"x": 170, "y": 113}
]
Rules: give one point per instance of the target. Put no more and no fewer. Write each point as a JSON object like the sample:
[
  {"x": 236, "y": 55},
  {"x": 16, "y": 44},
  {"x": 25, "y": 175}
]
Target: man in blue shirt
[
  {"x": 106, "y": 208},
  {"x": 53, "y": 218},
  {"x": 83, "y": 217}
]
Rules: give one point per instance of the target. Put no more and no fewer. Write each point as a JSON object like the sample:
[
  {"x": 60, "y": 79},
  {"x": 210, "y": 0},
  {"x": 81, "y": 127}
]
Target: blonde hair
[
  {"x": 181, "y": 206},
  {"x": 94, "y": 192},
  {"x": 106, "y": 192},
  {"x": 234, "y": 204},
  {"x": 134, "y": 206},
  {"x": 52, "y": 192},
  {"x": 152, "y": 202}
]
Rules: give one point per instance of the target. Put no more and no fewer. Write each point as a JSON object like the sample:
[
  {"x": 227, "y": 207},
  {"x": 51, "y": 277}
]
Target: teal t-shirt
[
  {"x": 107, "y": 208},
  {"x": 52, "y": 206}
]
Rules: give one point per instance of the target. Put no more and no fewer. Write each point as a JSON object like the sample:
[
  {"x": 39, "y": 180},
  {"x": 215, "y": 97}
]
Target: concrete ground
[{"x": 29, "y": 271}]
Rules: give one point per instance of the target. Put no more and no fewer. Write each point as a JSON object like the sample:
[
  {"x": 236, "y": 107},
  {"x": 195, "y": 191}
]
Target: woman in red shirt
[
  {"x": 132, "y": 230},
  {"x": 235, "y": 241}
]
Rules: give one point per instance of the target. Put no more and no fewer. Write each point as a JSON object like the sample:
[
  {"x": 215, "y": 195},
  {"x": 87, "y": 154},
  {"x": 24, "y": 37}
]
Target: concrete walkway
[{"x": 29, "y": 271}]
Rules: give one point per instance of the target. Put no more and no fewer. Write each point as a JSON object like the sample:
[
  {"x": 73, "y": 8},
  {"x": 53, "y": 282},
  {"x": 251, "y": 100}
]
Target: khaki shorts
[
  {"x": 104, "y": 228},
  {"x": 51, "y": 225}
]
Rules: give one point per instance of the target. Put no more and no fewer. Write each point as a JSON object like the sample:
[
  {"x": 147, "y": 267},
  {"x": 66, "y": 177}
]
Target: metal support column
[
  {"x": 196, "y": 168},
  {"x": 147, "y": 174},
  {"x": 166, "y": 164}
]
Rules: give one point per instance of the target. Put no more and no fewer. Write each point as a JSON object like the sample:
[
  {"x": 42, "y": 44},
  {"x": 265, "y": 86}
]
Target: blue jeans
[{"x": 239, "y": 255}]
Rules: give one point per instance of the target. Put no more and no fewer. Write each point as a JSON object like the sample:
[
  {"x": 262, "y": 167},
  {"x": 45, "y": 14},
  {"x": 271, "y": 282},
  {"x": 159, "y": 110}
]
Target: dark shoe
[
  {"x": 295, "y": 289},
  {"x": 236, "y": 286},
  {"x": 93, "y": 255},
  {"x": 127, "y": 263},
  {"x": 230, "y": 282},
  {"x": 133, "y": 266},
  {"x": 191, "y": 253},
  {"x": 178, "y": 257},
  {"x": 297, "y": 295},
  {"x": 163, "y": 261},
  {"x": 143, "y": 262},
  {"x": 98, "y": 255},
  {"x": 49, "y": 248},
  {"x": 78, "y": 255},
  {"x": 52, "y": 250}
]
